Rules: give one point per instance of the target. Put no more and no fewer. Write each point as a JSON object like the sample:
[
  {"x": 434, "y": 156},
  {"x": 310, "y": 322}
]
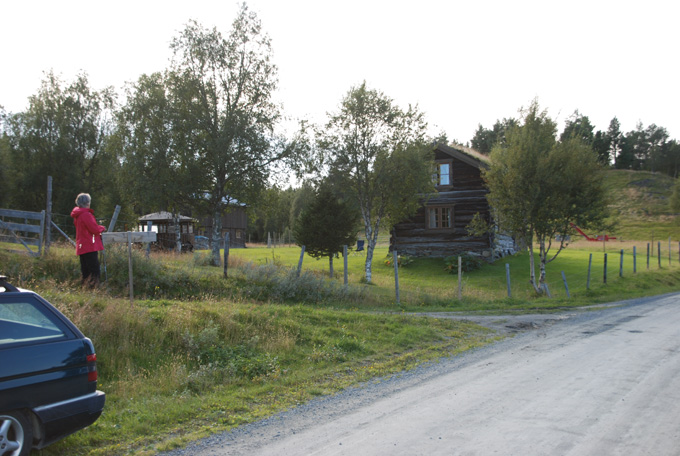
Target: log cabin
[{"x": 439, "y": 227}]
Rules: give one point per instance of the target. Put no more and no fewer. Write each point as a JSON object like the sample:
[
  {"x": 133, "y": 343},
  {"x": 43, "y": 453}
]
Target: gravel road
[{"x": 578, "y": 383}]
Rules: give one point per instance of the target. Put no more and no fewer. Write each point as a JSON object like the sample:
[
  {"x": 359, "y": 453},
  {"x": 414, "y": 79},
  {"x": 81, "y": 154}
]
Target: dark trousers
[{"x": 89, "y": 267}]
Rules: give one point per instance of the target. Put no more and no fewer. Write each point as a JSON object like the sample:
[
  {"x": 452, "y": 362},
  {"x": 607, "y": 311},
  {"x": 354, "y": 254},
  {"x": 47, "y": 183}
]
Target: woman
[{"x": 88, "y": 239}]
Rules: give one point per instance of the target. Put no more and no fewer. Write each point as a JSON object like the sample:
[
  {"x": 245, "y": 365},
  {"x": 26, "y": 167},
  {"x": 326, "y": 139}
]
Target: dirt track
[{"x": 582, "y": 383}]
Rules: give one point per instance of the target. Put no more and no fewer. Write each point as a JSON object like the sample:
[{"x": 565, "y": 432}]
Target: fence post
[
  {"x": 547, "y": 290},
  {"x": 566, "y": 287},
  {"x": 226, "y": 254},
  {"x": 148, "y": 244},
  {"x": 605, "y": 268},
  {"x": 129, "y": 240},
  {"x": 114, "y": 219},
  {"x": 302, "y": 255},
  {"x": 344, "y": 255},
  {"x": 621, "y": 265},
  {"x": 460, "y": 277},
  {"x": 507, "y": 278},
  {"x": 590, "y": 263},
  {"x": 658, "y": 253},
  {"x": 396, "y": 273},
  {"x": 634, "y": 260},
  {"x": 648, "y": 255},
  {"x": 669, "y": 250},
  {"x": 48, "y": 216}
]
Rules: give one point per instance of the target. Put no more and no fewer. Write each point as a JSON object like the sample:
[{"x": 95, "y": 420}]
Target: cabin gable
[{"x": 439, "y": 227}]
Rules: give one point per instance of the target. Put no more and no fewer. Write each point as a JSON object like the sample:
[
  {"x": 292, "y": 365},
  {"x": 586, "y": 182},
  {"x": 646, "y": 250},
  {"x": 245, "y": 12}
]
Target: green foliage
[
  {"x": 378, "y": 155},
  {"x": 578, "y": 126},
  {"x": 326, "y": 225},
  {"x": 63, "y": 134},
  {"x": 402, "y": 260},
  {"x": 485, "y": 139},
  {"x": 478, "y": 226},
  {"x": 468, "y": 263},
  {"x": 209, "y": 350},
  {"x": 222, "y": 92},
  {"x": 538, "y": 186}
]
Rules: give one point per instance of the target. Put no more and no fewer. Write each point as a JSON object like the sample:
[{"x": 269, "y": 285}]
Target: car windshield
[{"x": 25, "y": 320}]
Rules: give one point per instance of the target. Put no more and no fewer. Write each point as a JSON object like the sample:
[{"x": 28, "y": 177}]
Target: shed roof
[{"x": 163, "y": 216}]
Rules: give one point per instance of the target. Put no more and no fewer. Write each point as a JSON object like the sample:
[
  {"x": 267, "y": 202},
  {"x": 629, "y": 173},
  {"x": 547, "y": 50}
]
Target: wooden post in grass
[
  {"x": 648, "y": 255},
  {"x": 507, "y": 278},
  {"x": 129, "y": 241},
  {"x": 658, "y": 253},
  {"x": 396, "y": 273},
  {"x": 634, "y": 260},
  {"x": 226, "y": 254},
  {"x": 669, "y": 250},
  {"x": 566, "y": 287},
  {"x": 48, "y": 216},
  {"x": 129, "y": 237},
  {"x": 302, "y": 255},
  {"x": 605, "y": 268},
  {"x": 621, "y": 265},
  {"x": 460, "y": 277},
  {"x": 590, "y": 263},
  {"x": 344, "y": 256},
  {"x": 547, "y": 290}
]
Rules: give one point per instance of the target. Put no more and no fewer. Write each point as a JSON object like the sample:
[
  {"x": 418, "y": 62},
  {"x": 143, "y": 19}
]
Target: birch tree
[
  {"x": 222, "y": 94},
  {"x": 378, "y": 154},
  {"x": 539, "y": 187}
]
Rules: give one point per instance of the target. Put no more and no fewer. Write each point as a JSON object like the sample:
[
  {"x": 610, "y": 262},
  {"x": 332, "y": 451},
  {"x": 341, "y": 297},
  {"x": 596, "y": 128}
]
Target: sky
[{"x": 463, "y": 63}]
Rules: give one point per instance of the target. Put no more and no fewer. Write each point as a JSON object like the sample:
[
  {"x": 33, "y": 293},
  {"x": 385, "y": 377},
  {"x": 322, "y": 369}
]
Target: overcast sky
[{"x": 464, "y": 63}]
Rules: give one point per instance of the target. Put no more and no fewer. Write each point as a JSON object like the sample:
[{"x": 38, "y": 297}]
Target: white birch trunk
[{"x": 216, "y": 238}]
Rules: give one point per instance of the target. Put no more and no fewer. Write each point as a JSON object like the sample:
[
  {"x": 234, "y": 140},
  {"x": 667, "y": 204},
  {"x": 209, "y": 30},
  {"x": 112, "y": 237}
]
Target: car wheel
[{"x": 16, "y": 434}]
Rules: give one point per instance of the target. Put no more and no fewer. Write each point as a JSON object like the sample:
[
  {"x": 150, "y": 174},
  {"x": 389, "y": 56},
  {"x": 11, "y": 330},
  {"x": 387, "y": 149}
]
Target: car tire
[{"x": 16, "y": 434}]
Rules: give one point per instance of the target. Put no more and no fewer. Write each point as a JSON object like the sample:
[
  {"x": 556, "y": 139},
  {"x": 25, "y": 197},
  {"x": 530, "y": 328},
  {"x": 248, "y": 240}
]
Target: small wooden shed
[
  {"x": 438, "y": 229},
  {"x": 164, "y": 224}
]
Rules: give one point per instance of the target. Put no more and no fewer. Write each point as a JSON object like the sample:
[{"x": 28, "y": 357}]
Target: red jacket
[{"x": 88, "y": 233}]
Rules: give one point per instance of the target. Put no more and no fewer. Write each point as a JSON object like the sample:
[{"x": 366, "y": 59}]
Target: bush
[
  {"x": 402, "y": 260},
  {"x": 468, "y": 263}
]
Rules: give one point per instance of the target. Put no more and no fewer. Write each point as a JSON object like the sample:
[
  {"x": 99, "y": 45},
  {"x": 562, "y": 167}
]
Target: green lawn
[{"x": 425, "y": 283}]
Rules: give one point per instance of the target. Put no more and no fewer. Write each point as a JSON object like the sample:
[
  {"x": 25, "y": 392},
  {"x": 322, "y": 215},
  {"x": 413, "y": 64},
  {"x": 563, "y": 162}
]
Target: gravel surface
[{"x": 270, "y": 436}]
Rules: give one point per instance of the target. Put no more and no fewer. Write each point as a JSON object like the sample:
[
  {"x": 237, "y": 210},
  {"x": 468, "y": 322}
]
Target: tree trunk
[
  {"x": 532, "y": 266},
  {"x": 369, "y": 251},
  {"x": 216, "y": 238},
  {"x": 330, "y": 265},
  {"x": 178, "y": 232},
  {"x": 543, "y": 257}
]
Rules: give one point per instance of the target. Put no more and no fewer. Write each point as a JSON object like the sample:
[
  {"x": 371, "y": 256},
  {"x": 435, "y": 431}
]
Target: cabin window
[
  {"x": 442, "y": 175},
  {"x": 440, "y": 218}
]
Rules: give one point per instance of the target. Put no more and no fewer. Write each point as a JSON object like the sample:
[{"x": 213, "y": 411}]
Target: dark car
[{"x": 48, "y": 374}]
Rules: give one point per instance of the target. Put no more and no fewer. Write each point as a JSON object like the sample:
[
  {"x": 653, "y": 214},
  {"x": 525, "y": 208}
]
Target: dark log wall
[
  {"x": 234, "y": 222},
  {"x": 468, "y": 195}
]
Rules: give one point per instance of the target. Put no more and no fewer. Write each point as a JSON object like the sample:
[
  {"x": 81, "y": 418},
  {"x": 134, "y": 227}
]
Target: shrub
[
  {"x": 468, "y": 263},
  {"x": 402, "y": 260}
]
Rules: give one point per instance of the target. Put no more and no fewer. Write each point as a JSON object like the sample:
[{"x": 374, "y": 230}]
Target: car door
[{"x": 43, "y": 358}]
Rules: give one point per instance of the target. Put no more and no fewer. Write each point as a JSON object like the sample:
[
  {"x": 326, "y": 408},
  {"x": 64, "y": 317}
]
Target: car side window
[{"x": 27, "y": 320}]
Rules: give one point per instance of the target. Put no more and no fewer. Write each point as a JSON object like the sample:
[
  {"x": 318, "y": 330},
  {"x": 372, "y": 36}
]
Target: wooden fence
[{"x": 23, "y": 227}]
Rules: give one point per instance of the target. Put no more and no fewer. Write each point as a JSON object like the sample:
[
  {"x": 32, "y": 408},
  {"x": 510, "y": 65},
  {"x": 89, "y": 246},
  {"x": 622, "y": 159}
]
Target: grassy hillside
[{"x": 640, "y": 205}]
